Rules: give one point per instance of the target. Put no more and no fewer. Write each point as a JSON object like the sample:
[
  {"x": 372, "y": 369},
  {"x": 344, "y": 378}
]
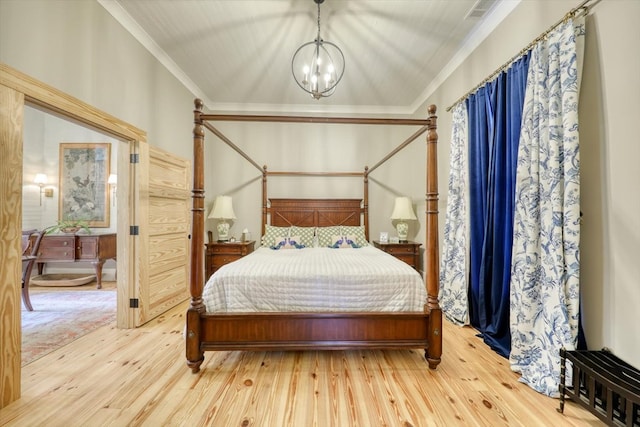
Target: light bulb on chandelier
[{"x": 318, "y": 66}]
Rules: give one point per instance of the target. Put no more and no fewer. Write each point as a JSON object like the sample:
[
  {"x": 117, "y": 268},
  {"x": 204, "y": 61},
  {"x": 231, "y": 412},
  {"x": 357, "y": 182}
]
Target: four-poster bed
[{"x": 319, "y": 330}]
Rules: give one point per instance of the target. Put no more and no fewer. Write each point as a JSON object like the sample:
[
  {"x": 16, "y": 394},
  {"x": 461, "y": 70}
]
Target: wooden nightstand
[
  {"x": 218, "y": 254},
  {"x": 408, "y": 252}
]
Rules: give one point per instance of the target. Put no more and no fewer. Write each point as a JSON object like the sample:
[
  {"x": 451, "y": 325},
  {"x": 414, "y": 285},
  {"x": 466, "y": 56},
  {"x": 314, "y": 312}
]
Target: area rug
[{"x": 61, "y": 317}]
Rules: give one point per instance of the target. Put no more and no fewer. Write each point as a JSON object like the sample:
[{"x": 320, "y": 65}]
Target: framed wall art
[{"x": 84, "y": 192}]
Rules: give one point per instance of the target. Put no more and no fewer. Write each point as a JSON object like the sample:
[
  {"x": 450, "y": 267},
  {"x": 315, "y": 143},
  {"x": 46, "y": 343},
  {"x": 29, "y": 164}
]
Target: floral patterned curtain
[
  {"x": 545, "y": 270},
  {"x": 455, "y": 248}
]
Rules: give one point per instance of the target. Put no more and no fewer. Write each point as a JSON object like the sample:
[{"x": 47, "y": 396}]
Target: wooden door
[{"x": 163, "y": 225}]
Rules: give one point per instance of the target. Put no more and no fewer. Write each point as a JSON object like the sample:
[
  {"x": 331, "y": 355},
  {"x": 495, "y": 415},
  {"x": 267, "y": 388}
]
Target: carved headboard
[{"x": 316, "y": 212}]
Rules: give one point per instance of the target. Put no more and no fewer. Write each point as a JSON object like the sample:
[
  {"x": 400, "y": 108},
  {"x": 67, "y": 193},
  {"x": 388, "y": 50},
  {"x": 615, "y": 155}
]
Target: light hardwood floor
[{"x": 139, "y": 377}]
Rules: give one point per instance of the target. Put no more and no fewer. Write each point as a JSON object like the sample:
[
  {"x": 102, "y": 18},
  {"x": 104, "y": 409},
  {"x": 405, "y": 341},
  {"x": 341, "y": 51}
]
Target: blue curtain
[
  {"x": 478, "y": 167},
  {"x": 495, "y": 115}
]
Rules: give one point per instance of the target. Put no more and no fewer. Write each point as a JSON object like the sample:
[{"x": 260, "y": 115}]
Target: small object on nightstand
[
  {"x": 408, "y": 252},
  {"x": 384, "y": 237}
]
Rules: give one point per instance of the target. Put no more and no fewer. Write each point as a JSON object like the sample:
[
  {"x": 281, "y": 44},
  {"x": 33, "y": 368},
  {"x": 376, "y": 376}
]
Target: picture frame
[
  {"x": 84, "y": 192},
  {"x": 384, "y": 237}
]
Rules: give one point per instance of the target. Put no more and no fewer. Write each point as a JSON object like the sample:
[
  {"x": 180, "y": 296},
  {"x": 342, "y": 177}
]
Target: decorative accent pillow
[
  {"x": 306, "y": 234},
  {"x": 287, "y": 243},
  {"x": 357, "y": 231},
  {"x": 325, "y": 234},
  {"x": 271, "y": 232},
  {"x": 339, "y": 242}
]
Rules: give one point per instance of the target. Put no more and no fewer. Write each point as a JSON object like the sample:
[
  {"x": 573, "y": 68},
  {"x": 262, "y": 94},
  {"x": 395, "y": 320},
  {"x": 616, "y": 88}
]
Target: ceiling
[{"x": 236, "y": 54}]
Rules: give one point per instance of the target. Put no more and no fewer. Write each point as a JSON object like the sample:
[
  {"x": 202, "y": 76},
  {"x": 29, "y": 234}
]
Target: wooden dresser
[
  {"x": 93, "y": 248},
  {"x": 218, "y": 254},
  {"x": 408, "y": 252}
]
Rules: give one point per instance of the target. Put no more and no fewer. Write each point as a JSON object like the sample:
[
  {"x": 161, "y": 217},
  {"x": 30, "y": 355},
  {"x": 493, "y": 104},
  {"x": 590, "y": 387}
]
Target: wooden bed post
[
  {"x": 194, "y": 353},
  {"x": 264, "y": 200},
  {"x": 366, "y": 202},
  {"x": 432, "y": 258}
]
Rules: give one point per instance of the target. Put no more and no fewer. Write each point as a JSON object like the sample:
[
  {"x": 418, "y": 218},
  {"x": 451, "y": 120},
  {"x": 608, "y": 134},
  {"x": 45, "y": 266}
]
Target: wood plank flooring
[{"x": 139, "y": 378}]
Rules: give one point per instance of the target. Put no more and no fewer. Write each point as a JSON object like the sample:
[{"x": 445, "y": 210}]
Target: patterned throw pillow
[
  {"x": 270, "y": 234},
  {"x": 357, "y": 231},
  {"x": 287, "y": 243},
  {"x": 306, "y": 234},
  {"x": 340, "y": 242},
  {"x": 325, "y": 234}
]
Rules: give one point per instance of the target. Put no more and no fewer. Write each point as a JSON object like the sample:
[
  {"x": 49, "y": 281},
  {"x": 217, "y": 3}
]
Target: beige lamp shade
[
  {"x": 403, "y": 209},
  {"x": 223, "y": 208},
  {"x": 403, "y": 212}
]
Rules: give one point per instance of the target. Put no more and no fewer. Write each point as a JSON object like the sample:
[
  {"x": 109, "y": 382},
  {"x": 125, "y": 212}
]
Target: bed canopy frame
[{"x": 314, "y": 330}]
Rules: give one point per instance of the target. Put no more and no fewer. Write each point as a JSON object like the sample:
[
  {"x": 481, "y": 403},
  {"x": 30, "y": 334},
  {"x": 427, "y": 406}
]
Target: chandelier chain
[{"x": 318, "y": 21}]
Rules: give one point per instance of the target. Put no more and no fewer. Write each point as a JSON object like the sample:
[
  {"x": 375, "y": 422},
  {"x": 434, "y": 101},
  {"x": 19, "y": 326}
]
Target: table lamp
[
  {"x": 223, "y": 210},
  {"x": 403, "y": 212}
]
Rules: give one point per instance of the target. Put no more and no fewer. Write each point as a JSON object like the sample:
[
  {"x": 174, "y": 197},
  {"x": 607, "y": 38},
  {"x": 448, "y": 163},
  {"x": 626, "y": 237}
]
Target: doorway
[
  {"x": 142, "y": 181},
  {"x": 16, "y": 90},
  {"x": 63, "y": 292}
]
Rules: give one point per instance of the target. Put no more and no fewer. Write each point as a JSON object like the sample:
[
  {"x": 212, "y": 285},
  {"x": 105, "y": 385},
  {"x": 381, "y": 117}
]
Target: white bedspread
[{"x": 315, "y": 279}]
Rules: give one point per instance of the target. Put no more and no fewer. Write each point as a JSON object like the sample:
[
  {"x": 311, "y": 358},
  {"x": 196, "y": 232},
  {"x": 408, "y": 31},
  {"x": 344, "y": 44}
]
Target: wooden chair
[{"x": 29, "y": 257}]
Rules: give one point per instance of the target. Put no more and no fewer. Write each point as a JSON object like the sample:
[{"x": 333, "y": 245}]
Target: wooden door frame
[{"x": 49, "y": 99}]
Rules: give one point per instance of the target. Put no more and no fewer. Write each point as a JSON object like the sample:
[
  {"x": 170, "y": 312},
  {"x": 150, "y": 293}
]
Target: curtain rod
[{"x": 581, "y": 8}]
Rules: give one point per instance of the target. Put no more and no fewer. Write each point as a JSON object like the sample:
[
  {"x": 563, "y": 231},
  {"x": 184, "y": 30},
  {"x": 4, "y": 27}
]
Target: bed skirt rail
[
  {"x": 604, "y": 384},
  {"x": 314, "y": 331}
]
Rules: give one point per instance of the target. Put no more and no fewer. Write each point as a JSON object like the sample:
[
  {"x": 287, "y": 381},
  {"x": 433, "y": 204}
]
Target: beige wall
[
  {"x": 609, "y": 108},
  {"x": 77, "y": 47}
]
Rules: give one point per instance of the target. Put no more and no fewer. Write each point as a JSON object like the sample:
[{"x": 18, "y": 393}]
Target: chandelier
[{"x": 318, "y": 66}]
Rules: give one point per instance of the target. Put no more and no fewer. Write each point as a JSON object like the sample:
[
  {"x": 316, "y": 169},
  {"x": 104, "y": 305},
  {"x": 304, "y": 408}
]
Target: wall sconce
[
  {"x": 41, "y": 180},
  {"x": 113, "y": 181}
]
